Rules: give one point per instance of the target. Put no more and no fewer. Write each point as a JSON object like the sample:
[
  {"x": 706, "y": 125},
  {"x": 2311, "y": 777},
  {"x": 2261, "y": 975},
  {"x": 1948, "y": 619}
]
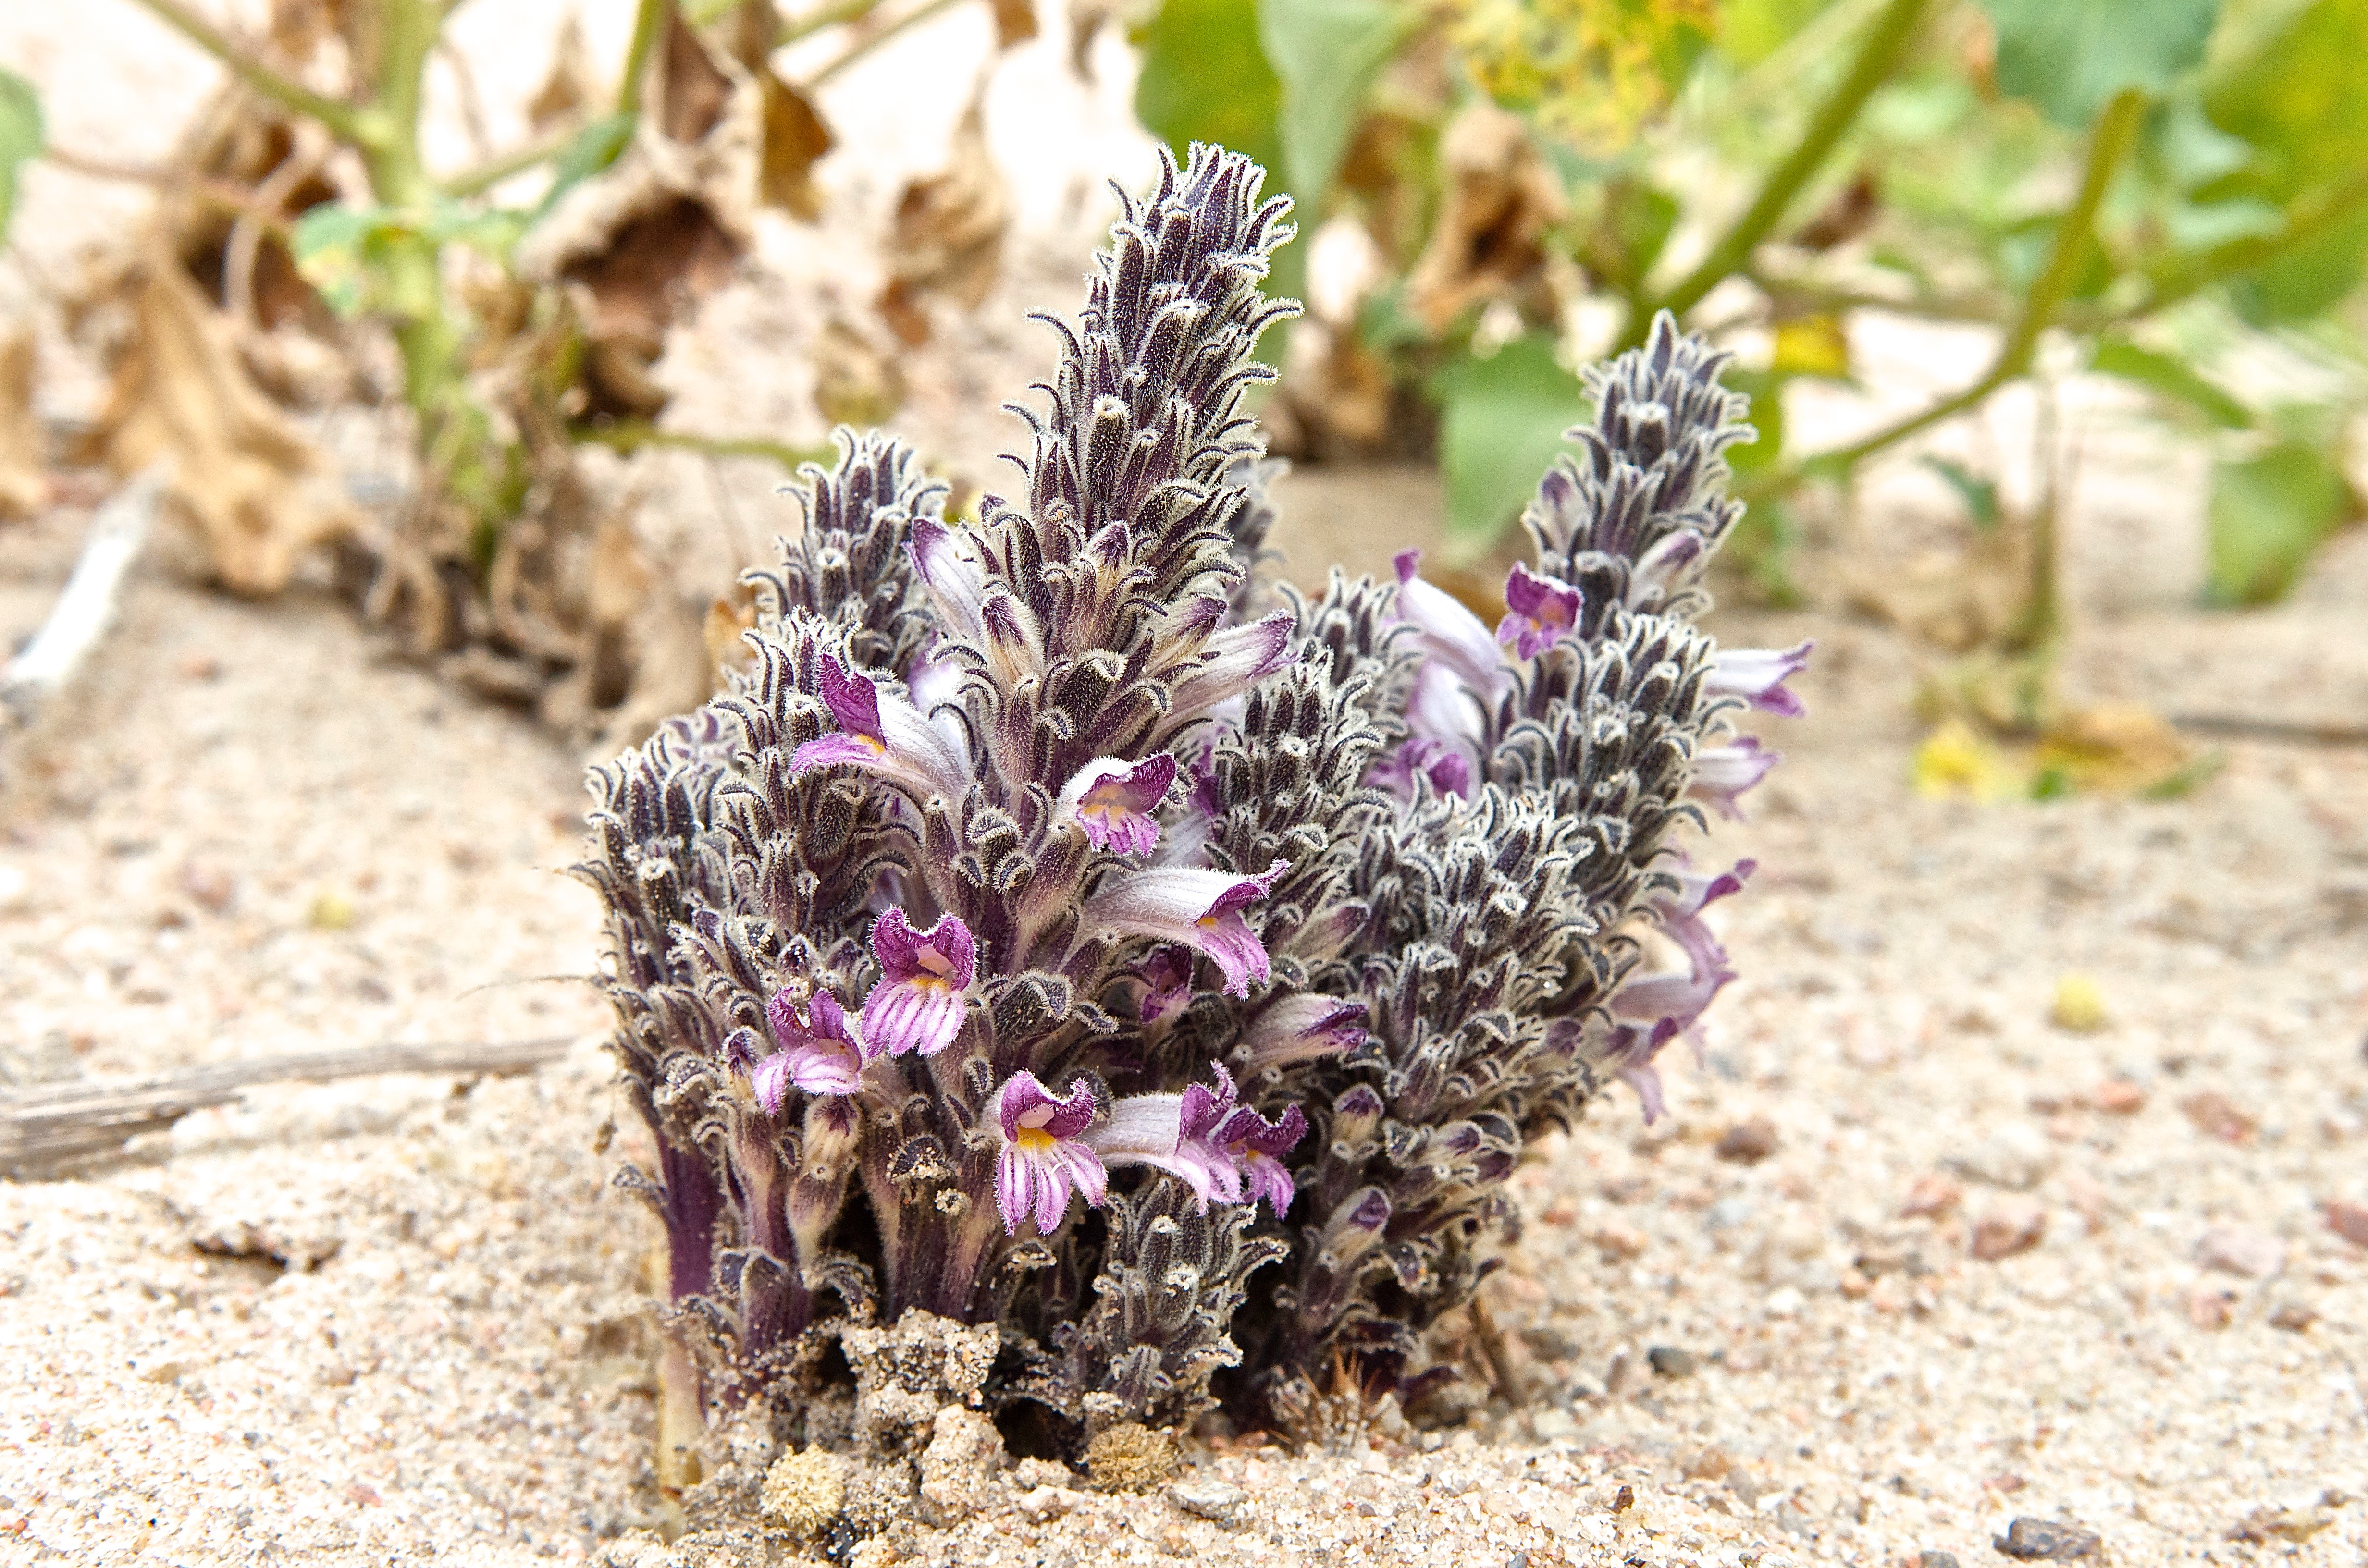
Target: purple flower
[
  {"x": 1447, "y": 631},
  {"x": 1695, "y": 889},
  {"x": 1042, "y": 1160},
  {"x": 1165, "y": 975},
  {"x": 1256, "y": 1146},
  {"x": 1113, "y": 800},
  {"x": 1654, "y": 1009},
  {"x": 917, "y": 1006},
  {"x": 1201, "y": 908},
  {"x": 1757, "y": 675},
  {"x": 888, "y": 736},
  {"x": 1724, "y": 773},
  {"x": 1176, "y": 1133},
  {"x": 1231, "y": 662},
  {"x": 1663, "y": 569},
  {"x": 1447, "y": 770},
  {"x": 950, "y": 574},
  {"x": 818, "y": 1053},
  {"x": 1539, "y": 610},
  {"x": 1301, "y": 1028}
]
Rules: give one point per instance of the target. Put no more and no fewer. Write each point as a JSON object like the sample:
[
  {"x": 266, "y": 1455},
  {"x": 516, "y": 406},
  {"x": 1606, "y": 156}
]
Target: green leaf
[
  {"x": 1324, "y": 55},
  {"x": 331, "y": 244},
  {"x": 1205, "y": 79},
  {"x": 2301, "y": 99},
  {"x": 20, "y": 137},
  {"x": 588, "y": 152},
  {"x": 2172, "y": 377},
  {"x": 1751, "y": 30},
  {"x": 1502, "y": 422},
  {"x": 1977, "y": 491},
  {"x": 2308, "y": 280},
  {"x": 1766, "y": 391},
  {"x": 2070, "y": 57},
  {"x": 2268, "y": 514}
]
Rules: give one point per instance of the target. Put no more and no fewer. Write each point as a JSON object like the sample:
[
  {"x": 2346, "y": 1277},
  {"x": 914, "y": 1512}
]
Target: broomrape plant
[{"x": 1057, "y": 925}]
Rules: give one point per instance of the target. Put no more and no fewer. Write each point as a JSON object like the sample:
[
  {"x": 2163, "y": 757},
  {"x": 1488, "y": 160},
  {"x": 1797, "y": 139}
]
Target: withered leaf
[
  {"x": 691, "y": 88},
  {"x": 947, "y": 238},
  {"x": 260, "y": 493},
  {"x": 1014, "y": 22},
  {"x": 573, "y": 87},
  {"x": 795, "y": 138},
  {"x": 1501, "y": 198}
]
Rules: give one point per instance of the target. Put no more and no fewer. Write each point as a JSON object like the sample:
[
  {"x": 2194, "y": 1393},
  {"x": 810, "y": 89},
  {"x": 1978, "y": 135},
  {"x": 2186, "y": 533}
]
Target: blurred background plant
[
  {"x": 2169, "y": 197},
  {"x": 303, "y": 255},
  {"x": 2171, "y": 193}
]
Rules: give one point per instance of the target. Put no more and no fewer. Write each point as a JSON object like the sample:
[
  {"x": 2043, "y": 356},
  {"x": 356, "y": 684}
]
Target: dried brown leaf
[
  {"x": 1014, "y": 22},
  {"x": 259, "y": 493},
  {"x": 24, "y": 482},
  {"x": 947, "y": 240},
  {"x": 1501, "y": 198},
  {"x": 664, "y": 226},
  {"x": 573, "y": 87},
  {"x": 795, "y": 139},
  {"x": 691, "y": 87}
]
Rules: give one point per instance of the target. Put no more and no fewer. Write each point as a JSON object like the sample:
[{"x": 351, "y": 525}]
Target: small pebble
[
  {"x": 2210, "y": 1308},
  {"x": 1623, "y": 1499},
  {"x": 2233, "y": 1250},
  {"x": 2293, "y": 1316},
  {"x": 2015, "y": 1157},
  {"x": 1748, "y": 1143},
  {"x": 2349, "y": 1221},
  {"x": 1617, "y": 1242},
  {"x": 1931, "y": 1198},
  {"x": 1936, "y": 1560},
  {"x": 2014, "y": 1226},
  {"x": 1212, "y": 1500},
  {"x": 199, "y": 666},
  {"x": 2216, "y": 1115},
  {"x": 2118, "y": 1096},
  {"x": 1670, "y": 1362},
  {"x": 2054, "y": 1541}
]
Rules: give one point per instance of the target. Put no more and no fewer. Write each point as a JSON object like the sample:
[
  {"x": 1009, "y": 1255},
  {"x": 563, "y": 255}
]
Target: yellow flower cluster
[{"x": 1593, "y": 72}]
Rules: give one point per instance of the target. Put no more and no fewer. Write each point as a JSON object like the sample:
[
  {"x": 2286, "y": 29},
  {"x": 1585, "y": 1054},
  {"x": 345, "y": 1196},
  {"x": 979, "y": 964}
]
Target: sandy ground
[{"x": 403, "y": 1320}]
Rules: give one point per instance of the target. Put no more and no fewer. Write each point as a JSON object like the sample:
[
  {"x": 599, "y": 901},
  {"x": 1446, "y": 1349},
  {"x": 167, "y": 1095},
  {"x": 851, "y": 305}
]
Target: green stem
[
  {"x": 1876, "y": 58},
  {"x": 344, "y": 121},
  {"x": 486, "y": 175},
  {"x": 2116, "y": 128},
  {"x": 631, "y": 436},
  {"x": 650, "y": 19},
  {"x": 823, "y": 17},
  {"x": 864, "y": 46},
  {"x": 2303, "y": 225}
]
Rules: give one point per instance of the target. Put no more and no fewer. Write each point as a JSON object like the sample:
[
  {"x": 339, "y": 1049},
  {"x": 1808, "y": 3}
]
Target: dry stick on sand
[
  {"x": 48, "y": 1125},
  {"x": 86, "y": 607}
]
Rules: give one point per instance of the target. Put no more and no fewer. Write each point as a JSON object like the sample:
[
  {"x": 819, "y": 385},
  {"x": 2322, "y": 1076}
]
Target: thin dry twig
[
  {"x": 86, "y": 607},
  {"x": 45, "y": 1126}
]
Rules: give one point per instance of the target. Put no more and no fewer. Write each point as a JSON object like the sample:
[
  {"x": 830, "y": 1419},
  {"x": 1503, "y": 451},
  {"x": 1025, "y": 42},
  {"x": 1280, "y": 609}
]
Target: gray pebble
[
  {"x": 1212, "y": 1500},
  {"x": 2054, "y": 1541},
  {"x": 1670, "y": 1362}
]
